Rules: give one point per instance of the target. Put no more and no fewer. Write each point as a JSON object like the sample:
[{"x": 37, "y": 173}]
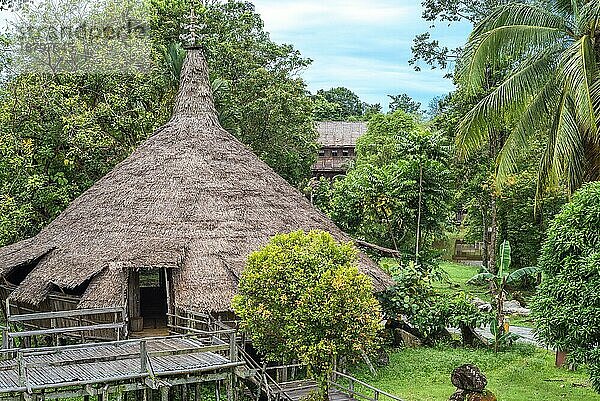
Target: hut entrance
[{"x": 148, "y": 299}]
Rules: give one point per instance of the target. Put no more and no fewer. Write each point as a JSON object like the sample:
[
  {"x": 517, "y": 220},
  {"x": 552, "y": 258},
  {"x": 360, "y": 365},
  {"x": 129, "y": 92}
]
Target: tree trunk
[
  {"x": 493, "y": 235},
  {"x": 485, "y": 239},
  {"x": 418, "y": 245}
]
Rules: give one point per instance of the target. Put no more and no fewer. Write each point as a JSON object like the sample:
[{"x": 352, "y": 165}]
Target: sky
[{"x": 362, "y": 45}]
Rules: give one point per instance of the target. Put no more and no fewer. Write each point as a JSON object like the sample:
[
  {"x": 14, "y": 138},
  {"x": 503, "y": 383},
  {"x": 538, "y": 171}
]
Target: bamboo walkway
[
  {"x": 147, "y": 361},
  {"x": 296, "y": 391}
]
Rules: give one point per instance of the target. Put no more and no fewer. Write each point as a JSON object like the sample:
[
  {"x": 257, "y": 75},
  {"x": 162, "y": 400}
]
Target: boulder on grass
[
  {"x": 514, "y": 308},
  {"x": 470, "y": 385}
]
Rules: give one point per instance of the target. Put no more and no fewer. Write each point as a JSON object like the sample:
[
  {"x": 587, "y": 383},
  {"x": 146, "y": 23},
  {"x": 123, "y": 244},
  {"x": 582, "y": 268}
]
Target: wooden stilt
[
  {"x": 184, "y": 392},
  {"x": 197, "y": 392},
  {"x": 164, "y": 393},
  {"x": 229, "y": 387},
  {"x": 218, "y": 391}
]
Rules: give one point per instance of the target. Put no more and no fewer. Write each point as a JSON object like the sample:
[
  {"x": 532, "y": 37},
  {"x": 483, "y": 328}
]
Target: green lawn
[
  {"x": 458, "y": 275},
  {"x": 520, "y": 374}
]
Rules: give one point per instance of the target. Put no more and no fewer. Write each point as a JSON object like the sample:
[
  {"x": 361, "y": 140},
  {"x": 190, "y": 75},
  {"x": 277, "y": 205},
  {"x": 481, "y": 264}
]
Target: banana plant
[{"x": 498, "y": 285}]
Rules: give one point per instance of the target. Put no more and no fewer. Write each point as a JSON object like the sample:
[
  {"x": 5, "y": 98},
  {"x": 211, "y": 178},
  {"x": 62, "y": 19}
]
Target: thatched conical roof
[{"x": 191, "y": 197}]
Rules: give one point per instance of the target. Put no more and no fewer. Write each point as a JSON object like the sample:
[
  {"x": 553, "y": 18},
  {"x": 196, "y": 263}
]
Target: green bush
[
  {"x": 567, "y": 306},
  {"x": 301, "y": 297},
  {"x": 414, "y": 300}
]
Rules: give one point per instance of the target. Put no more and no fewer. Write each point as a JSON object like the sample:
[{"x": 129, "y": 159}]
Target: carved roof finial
[{"x": 192, "y": 37}]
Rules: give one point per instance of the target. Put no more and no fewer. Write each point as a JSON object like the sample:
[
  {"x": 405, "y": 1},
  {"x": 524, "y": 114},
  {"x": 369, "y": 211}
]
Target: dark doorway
[
  {"x": 148, "y": 305},
  {"x": 153, "y": 298}
]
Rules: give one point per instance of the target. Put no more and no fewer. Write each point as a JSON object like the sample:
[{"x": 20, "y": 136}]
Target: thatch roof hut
[{"x": 191, "y": 199}]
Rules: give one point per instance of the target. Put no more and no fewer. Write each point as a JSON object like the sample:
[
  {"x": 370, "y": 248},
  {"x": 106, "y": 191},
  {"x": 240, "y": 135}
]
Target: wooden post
[
  {"x": 197, "y": 392},
  {"x": 54, "y": 336},
  {"x": 164, "y": 393},
  {"x": 232, "y": 347},
  {"x": 184, "y": 392},
  {"x": 21, "y": 368},
  {"x": 229, "y": 387},
  {"x": 143, "y": 357},
  {"x": 124, "y": 322},
  {"x": 218, "y": 391},
  {"x": 5, "y": 338}
]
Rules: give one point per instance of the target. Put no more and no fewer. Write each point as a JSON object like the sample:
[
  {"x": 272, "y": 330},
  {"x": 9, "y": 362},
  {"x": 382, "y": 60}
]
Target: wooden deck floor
[
  {"x": 297, "y": 391},
  {"x": 58, "y": 367}
]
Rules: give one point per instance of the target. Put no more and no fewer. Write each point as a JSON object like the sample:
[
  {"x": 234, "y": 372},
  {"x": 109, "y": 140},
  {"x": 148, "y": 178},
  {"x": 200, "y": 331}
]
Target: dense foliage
[
  {"x": 400, "y": 182},
  {"x": 405, "y": 103},
  {"x": 341, "y": 104},
  {"x": 428, "y": 313},
  {"x": 301, "y": 297},
  {"x": 567, "y": 306}
]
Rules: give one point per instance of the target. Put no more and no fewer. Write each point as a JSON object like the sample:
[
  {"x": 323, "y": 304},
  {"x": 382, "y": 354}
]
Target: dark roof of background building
[{"x": 340, "y": 133}]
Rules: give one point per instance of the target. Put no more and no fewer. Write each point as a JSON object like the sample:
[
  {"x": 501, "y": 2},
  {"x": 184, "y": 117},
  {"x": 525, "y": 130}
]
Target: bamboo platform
[
  {"x": 296, "y": 391},
  {"x": 115, "y": 366}
]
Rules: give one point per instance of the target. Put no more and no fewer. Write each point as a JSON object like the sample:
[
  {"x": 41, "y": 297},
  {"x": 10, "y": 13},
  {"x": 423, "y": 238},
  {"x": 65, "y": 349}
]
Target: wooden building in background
[{"x": 338, "y": 144}]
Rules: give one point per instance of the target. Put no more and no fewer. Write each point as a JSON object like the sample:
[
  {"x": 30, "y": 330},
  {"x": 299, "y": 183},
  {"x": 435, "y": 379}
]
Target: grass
[
  {"x": 458, "y": 275},
  {"x": 521, "y": 373}
]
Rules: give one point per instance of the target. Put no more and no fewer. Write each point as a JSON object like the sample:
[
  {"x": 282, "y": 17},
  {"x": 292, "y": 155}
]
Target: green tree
[
  {"x": 350, "y": 103},
  {"x": 59, "y": 134},
  {"x": 324, "y": 110},
  {"x": 553, "y": 86},
  {"x": 397, "y": 194},
  {"x": 405, "y": 103},
  {"x": 566, "y": 308},
  {"x": 430, "y": 51},
  {"x": 301, "y": 297}
]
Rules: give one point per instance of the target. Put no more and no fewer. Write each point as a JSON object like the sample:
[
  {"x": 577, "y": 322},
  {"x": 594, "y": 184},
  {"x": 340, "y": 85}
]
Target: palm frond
[
  {"x": 589, "y": 17},
  {"x": 499, "y": 44},
  {"x": 569, "y": 149},
  {"x": 510, "y": 98},
  {"x": 533, "y": 119},
  {"x": 481, "y": 278},
  {"x": 579, "y": 67},
  {"x": 520, "y": 274},
  {"x": 520, "y": 14},
  {"x": 547, "y": 174}
]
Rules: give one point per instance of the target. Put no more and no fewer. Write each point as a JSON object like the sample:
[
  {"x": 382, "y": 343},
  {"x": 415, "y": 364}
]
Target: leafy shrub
[
  {"x": 414, "y": 300},
  {"x": 301, "y": 297},
  {"x": 567, "y": 306}
]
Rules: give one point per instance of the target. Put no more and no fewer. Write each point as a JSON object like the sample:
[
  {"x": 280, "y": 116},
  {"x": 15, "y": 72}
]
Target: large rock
[
  {"x": 514, "y": 308},
  {"x": 482, "y": 305},
  {"x": 470, "y": 384},
  {"x": 469, "y": 378},
  {"x": 486, "y": 395}
]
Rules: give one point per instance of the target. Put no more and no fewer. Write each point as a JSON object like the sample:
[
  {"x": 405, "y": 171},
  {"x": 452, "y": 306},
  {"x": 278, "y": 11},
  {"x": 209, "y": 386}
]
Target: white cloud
[
  {"x": 292, "y": 15},
  {"x": 364, "y": 46}
]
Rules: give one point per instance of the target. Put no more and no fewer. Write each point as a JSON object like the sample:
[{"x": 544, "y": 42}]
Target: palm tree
[{"x": 553, "y": 58}]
